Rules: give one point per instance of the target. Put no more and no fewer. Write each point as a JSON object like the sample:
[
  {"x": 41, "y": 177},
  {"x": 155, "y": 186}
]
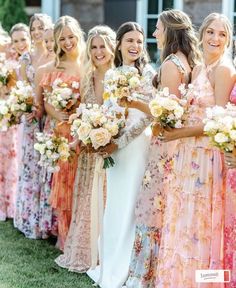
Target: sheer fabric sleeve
[{"x": 141, "y": 121}]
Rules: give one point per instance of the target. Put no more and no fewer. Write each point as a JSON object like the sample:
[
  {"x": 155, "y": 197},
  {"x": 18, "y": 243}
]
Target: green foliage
[
  {"x": 12, "y": 12},
  {"x": 26, "y": 263}
]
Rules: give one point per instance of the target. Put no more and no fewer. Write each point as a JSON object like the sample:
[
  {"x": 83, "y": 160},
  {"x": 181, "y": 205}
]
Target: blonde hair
[
  {"x": 179, "y": 35},
  {"x": 20, "y": 27},
  {"x": 216, "y": 16},
  {"x": 74, "y": 26},
  {"x": 109, "y": 38}
]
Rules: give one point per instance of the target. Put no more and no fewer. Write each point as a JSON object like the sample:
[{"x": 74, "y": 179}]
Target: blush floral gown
[
  {"x": 193, "y": 218},
  {"x": 150, "y": 206},
  {"x": 230, "y": 219}
]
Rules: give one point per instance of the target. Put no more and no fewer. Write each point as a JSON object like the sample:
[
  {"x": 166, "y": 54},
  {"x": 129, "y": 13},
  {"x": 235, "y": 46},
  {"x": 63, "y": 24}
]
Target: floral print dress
[
  {"x": 26, "y": 217},
  {"x": 230, "y": 219},
  {"x": 193, "y": 217},
  {"x": 150, "y": 206}
]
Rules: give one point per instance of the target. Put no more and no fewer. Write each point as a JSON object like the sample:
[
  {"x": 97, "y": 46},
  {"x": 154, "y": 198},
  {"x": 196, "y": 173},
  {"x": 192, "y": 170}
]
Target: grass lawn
[{"x": 26, "y": 263}]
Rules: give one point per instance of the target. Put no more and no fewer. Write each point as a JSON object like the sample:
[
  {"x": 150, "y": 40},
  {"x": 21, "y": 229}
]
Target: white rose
[
  {"x": 48, "y": 153},
  {"x": 3, "y": 110},
  {"x": 83, "y": 132},
  {"x": 232, "y": 135},
  {"x": 99, "y": 137},
  {"x": 221, "y": 138},
  {"x": 134, "y": 81}
]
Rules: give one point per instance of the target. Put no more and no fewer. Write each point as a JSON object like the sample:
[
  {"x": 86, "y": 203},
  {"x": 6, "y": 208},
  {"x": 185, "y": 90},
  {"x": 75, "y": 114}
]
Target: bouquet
[
  {"x": 220, "y": 126},
  {"x": 96, "y": 125},
  {"x": 22, "y": 98},
  {"x": 169, "y": 110},
  {"x": 51, "y": 149},
  {"x": 7, "y": 67},
  {"x": 63, "y": 97},
  {"x": 122, "y": 82},
  {"x": 7, "y": 118}
]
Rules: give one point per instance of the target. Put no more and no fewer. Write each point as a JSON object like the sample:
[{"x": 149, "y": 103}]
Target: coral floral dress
[{"x": 62, "y": 181}]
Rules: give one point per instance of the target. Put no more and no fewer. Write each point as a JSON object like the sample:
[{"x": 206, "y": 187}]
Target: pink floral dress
[
  {"x": 150, "y": 206},
  {"x": 193, "y": 217},
  {"x": 230, "y": 219}
]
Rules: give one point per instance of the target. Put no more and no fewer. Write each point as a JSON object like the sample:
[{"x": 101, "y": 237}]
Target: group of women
[{"x": 169, "y": 201}]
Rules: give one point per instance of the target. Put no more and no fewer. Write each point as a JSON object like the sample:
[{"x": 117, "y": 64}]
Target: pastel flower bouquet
[
  {"x": 123, "y": 82},
  {"x": 22, "y": 98},
  {"x": 52, "y": 149},
  {"x": 95, "y": 126},
  {"x": 220, "y": 126},
  {"x": 7, "y": 68},
  {"x": 170, "y": 111},
  {"x": 63, "y": 96},
  {"x": 7, "y": 118}
]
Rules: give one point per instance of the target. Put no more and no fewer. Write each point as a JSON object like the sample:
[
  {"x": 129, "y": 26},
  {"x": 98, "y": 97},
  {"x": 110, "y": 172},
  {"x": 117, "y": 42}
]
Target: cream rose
[
  {"x": 83, "y": 132},
  {"x": 99, "y": 137}
]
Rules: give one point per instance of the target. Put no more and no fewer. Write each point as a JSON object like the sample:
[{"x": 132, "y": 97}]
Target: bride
[{"x": 124, "y": 179}]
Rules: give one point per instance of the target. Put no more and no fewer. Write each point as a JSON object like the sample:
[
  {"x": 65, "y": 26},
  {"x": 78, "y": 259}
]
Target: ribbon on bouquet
[{"x": 97, "y": 207}]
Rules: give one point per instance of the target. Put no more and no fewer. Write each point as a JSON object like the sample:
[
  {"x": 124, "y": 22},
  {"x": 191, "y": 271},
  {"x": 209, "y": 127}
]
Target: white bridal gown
[{"x": 123, "y": 184}]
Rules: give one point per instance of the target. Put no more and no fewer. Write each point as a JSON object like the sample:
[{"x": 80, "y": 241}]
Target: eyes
[
  {"x": 131, "y": 40},
  {"x": 41, "y": 28},
  {"x": 20, "y": 40},
  {"x": 96, "y": 47},
  {"x": 69, "y": 37},
  {"x": 212, "y": 32}
]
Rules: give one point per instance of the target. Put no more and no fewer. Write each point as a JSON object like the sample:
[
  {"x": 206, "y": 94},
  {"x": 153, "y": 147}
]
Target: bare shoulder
[
  {"x": 169, "y": 68},
  {"x": 225, "y": 69}
]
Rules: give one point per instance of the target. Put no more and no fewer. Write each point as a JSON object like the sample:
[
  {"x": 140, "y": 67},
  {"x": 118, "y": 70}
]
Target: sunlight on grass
[{"x": 26, "y": 263}]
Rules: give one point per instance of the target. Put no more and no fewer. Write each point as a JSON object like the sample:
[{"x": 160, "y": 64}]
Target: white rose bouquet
[
  {"x": 122, "y": 82},
  {"x": 21, "y": 98},
  {"x": 220, "y": 126},
  {"x": 7, "y": 118},
  {"x": 52, "y": 149},
  {"x": 169, "y": 110},
  {"x": 7, "y": 67},
  {"x": 95, "y": 126},
  {"x": 63, "y": 96}
]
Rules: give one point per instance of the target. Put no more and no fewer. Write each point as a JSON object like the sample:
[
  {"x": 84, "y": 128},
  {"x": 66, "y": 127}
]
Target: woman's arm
[{"x": 58, "y": 115}]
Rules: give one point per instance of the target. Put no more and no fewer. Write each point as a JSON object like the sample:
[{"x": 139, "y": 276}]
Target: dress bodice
[{"x": 203, "y": 96}]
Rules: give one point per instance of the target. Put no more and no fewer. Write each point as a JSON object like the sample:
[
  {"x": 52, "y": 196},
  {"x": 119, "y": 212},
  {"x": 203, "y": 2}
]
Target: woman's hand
[
  {"x": 62, "y": 116},
  {"x": 171, "y": 134},
  {"x": 230, "y": 160},
  {"x": 30, "y": 117},
  {"x": 123, "y": 102},
  {"x": 108, "y": 149}
]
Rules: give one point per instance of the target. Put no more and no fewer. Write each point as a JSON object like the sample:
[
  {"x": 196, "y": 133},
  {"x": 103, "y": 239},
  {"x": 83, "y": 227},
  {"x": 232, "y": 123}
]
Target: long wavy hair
[
  {"x": 179, "y": 35},
  {"x": 44, "y": 19},
  {"x": 225, "y": 21},
  {"x": 122, "y": 30},
  {"x": 109, "y": 38},
  {"x": 22, "y": 28},
  {"x": 74, "y": 26}
]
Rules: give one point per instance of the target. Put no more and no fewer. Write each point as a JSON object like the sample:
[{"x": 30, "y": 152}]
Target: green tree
[{"x": 12, "y": 12}]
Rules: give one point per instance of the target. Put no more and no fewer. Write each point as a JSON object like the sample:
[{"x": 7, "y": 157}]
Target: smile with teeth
[
  {"x": 99, "y": 57},
  {"x": 133, "y": 52},
  {"x": 214, "y": 45}
]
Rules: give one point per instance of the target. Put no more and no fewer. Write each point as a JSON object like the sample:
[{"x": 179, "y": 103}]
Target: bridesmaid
[
  {"x": 8, "y": 150},
  {"x": 100, "y": 56},
  {"x": 177, "y": 61},
  {"x": 230, "y": 208},
  {"x": 124, "y": 179},
  {"x": 194, "y": 215},
  {"x": 26, "y": 217},
  {"x": 69, "y": 48}
]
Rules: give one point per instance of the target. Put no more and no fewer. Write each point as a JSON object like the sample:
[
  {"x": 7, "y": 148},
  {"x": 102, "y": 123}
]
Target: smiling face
[
  {"x": 20, "y": 41},
  {"x": 49, "y": 40},
  {"x": 159, "y": 34},
  {"x": 37, "y": 31},
  {"x": 68, "y": 41},
  {"x": 131, "y": 47},
  {"x": 100, "y": 54},
  {"x": 215, "y": 38}
]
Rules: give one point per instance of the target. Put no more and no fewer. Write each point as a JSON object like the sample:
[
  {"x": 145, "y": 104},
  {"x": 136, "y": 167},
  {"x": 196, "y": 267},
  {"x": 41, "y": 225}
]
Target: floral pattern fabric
[{"x": 193, "y": 218}]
